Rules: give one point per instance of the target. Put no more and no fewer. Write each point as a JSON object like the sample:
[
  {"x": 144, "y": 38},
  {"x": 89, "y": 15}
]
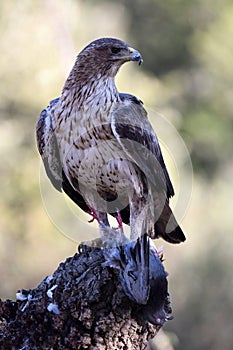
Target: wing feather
[
  {"x": 134, "y": 132},
  {"x": 48, "y": 148}
]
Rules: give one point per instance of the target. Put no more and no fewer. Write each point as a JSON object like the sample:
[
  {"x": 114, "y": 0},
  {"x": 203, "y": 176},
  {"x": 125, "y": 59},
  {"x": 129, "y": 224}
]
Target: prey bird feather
[{"x": 142, "y": 277}]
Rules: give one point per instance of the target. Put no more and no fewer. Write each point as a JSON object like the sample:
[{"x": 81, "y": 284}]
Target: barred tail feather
[{"x": 168, "y": 228}]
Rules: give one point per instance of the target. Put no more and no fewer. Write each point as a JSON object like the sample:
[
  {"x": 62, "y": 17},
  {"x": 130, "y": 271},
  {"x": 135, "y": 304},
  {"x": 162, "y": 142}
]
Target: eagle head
[{"x": 107, "y": 55}]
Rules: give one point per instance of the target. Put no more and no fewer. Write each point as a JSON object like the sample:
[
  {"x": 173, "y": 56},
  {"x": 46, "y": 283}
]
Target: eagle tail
[{"x": 168, "y": 228}]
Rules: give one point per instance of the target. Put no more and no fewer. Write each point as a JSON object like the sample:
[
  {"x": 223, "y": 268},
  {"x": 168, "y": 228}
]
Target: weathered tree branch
[{"x": 81, "y": 306}]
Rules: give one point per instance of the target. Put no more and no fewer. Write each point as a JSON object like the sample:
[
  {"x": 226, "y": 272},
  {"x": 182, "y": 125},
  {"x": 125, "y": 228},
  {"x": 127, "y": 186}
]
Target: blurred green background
[{"x": 187, "y": 76}]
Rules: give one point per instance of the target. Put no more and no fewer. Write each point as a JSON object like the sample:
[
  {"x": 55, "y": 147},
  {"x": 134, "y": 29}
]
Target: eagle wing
[
  {"x": 49, "y": 151},
  {"x": 134, "y": 132},
  {"x": 136, "y": 136},
  {"x": 48, "y": 148}
]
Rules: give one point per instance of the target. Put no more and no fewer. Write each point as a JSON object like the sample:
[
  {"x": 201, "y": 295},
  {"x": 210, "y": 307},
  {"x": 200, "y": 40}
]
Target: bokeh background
[{"x": 187, "y": 76}]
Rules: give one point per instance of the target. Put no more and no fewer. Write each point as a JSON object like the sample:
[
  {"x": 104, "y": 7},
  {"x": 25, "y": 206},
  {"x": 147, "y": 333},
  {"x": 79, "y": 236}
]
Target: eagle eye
[{"x": 115, "y": 49}]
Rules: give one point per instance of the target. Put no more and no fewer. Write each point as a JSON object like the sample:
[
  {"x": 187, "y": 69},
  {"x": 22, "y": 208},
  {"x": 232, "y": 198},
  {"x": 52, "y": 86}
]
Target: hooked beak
[{"x": 135, "y": 56}]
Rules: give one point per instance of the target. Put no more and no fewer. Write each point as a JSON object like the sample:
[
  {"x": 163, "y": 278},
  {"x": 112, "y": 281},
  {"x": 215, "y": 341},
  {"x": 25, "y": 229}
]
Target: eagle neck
[{"x": 94, "y": 93}]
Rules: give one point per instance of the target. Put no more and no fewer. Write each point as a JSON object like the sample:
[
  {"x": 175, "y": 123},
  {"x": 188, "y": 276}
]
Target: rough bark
[{"x": 81, "y": 306}]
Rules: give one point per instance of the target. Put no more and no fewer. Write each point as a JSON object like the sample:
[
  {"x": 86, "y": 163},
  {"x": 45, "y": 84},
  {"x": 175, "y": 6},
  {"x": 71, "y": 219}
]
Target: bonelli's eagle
[{"x": 99, "y": 147}]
